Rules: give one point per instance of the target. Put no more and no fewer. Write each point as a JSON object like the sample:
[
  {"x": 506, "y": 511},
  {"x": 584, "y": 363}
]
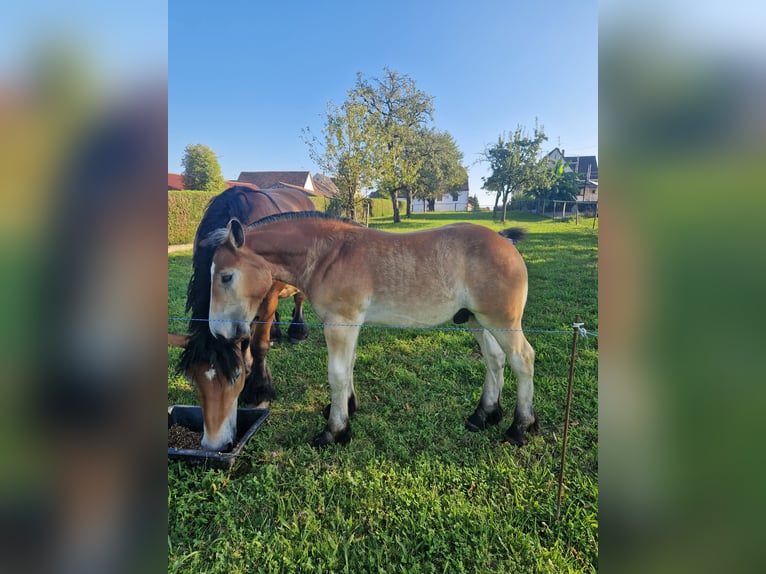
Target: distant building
[
  {"x": 586, "y": 168},
  {"x": 446, "y": 202}
]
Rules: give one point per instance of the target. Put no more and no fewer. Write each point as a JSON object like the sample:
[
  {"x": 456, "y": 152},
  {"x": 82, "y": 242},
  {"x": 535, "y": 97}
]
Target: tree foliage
[
  {"x": 201, "y": 169},
  {"x": 347, "y": 151},
  {"x": 380, "y": 136},
  {"x": 517, "y": 165},
  {"x": 397, "y": 111},
  {"x": 442, "y": 169}
]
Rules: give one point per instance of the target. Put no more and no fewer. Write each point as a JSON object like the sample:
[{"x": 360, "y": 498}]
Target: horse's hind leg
[
  {"x": 521, "y": 358},
  {"x": 489, "y": 410}
]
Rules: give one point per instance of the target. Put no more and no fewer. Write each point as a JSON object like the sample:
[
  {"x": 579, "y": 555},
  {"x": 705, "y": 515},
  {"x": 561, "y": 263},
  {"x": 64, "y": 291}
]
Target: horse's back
[{"x": 426, "y": 276}]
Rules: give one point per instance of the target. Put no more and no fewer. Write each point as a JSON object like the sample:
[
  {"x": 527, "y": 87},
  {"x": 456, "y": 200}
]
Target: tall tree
[
  {"x": 201, "y": 169},
  {"x": 397, "y": 110},
  {"x": 517, "y": 165},
  {"x": 346, "y": 151},
  {"x": 442, "y": 170}
]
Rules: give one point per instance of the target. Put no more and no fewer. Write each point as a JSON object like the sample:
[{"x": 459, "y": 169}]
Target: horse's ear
[{"x": 236, "y": 233}]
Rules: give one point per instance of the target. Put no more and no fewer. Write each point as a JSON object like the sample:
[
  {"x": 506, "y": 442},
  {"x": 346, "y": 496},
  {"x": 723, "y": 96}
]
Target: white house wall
[{"x": 445, "y": 203}]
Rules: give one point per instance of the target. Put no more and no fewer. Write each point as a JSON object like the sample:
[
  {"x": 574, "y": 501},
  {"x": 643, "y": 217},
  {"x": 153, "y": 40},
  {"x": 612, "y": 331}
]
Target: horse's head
[
  {"x": 239, "y": 280},
  {"x": 217, "y": 370}
]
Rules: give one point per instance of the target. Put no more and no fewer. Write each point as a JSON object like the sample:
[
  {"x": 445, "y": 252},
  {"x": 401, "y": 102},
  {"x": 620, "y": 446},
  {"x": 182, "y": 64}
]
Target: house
[
  {"x": 586, "y": 168},
  {"x": 446, "y": 202},
  {"x": 325, "y": 185},
  {"x": 176, "y": 182}
]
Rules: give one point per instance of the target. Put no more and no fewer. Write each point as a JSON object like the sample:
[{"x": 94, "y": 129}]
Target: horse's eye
[{"x": 226, "y": 277}]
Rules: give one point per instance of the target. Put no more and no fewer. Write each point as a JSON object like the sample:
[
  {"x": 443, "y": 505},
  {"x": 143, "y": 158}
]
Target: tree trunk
[
  {"x": 494, "y": 209},
  {"x": 506, "y": 201},
  {"x": 395, "y": 204},
  {"x": 409, "y": 203}
]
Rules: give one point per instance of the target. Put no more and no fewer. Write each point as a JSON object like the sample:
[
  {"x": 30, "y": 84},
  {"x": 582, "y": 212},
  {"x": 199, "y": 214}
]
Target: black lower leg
[
  {"x": 258, "y": 385},
  {"x": 352, "y": 405},
  {"x": 297, "y": 331}
]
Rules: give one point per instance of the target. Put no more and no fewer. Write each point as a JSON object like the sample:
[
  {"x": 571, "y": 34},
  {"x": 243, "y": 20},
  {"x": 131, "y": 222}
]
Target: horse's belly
[{"x": 406, "y": 314}]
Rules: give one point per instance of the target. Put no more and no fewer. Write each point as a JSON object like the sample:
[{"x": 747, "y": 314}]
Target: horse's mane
[
  {"x": 217, "y": 237},
  {"x": 202, "y": 345},
  {"x": 301, "y": 215}
]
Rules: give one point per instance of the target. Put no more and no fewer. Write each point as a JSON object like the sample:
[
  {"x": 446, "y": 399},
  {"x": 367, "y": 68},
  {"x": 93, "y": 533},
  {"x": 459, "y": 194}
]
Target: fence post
[{"x": 576, "y": 330}]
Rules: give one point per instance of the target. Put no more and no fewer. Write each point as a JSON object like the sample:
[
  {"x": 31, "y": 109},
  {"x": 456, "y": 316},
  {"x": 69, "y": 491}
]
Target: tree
[
  {"x": 442, "y": 170},
  {"x": 201, "y": 169},
  {"x": 347, "y": 150},
  {"x": 517, "y": 165},
  {"x": 397, "y": 110}
]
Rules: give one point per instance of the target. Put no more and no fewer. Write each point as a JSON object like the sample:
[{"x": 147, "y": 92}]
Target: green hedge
[
  {"x": 382, "y": 207},
  {"x": 185, "y": 209}
]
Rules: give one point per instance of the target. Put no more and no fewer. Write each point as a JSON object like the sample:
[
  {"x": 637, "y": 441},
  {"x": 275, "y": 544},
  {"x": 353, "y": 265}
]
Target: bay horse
[
  {"x": 223, "y": 370},
  {"x": 354, "y": 275}
]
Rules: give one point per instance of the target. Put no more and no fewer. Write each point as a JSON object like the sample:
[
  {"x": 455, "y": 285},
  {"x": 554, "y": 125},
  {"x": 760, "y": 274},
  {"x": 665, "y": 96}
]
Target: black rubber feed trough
[{"x": 248, "y": 421}]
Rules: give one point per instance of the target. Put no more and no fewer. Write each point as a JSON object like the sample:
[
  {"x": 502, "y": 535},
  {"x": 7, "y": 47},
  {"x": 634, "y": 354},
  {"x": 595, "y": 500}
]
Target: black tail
[{"x": 514, "y": 234}]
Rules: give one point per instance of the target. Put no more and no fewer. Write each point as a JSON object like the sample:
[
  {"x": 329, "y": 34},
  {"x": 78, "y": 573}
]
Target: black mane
[
  {"x": 203, "y": 346},
  {"x": 299, "y": 215}
]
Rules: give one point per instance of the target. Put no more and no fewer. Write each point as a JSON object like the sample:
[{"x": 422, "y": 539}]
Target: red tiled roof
[
  {"x": 264, "y": 179},
  {"x": 175, "y": 181},
  {"x": 324, "y": 185}
]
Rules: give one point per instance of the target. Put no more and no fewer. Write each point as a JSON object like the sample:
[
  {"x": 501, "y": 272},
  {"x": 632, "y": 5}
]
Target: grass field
[{"x": 413, "y": 491}]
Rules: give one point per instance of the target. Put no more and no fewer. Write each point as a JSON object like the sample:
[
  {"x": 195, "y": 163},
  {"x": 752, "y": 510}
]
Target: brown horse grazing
[
  {"x": 221, "y": 370},
  {"x": 354, "y": 275}
]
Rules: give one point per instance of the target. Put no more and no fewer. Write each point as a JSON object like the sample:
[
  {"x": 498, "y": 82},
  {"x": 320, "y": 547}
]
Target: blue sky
[{"x": 246, "y": 77}]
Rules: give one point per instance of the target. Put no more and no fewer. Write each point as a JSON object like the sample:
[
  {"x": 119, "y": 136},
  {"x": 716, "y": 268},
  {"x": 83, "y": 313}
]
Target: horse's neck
[{"x": 291, "y": 249}]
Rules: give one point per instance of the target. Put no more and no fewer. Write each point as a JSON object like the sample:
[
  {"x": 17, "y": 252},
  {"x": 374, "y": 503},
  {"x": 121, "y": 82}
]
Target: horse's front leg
[
  {"x": 341, "y": 343},
  {"x": 297, "y": 331},
  {"x": 259, "y": 388}
]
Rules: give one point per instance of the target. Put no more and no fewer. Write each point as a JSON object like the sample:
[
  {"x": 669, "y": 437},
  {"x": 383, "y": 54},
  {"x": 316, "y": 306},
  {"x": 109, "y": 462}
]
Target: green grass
[{"x": 413, "y": 491}]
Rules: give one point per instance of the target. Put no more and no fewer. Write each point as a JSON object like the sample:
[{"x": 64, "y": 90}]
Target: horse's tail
[{"x": 514, "y": 234}]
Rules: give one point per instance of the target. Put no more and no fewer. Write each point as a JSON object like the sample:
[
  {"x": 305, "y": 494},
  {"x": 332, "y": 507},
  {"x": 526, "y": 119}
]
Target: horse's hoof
[
  {"x": 323, "y": 439},
  {"x": 475, "y": 423},
  {"x": 479, "y": 420},
  {"x": 326, "y": 437},
  {"x": 516, "y": 433}
]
